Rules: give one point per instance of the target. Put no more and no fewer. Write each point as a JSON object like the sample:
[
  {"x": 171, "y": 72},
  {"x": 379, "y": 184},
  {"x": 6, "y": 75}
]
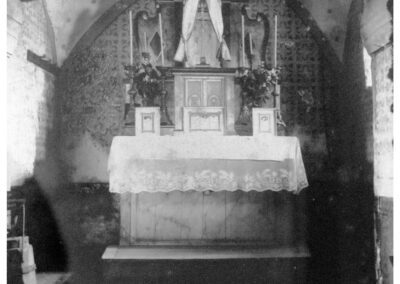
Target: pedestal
[{"x": 147, "y": 121}]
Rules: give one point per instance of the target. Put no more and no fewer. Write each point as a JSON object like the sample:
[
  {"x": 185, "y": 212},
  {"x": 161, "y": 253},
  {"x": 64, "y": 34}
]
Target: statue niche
[{"x": 202, "y": 43}]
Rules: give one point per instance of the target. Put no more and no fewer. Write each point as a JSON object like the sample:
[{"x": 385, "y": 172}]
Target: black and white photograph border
[{"x": 98, "y": 193}]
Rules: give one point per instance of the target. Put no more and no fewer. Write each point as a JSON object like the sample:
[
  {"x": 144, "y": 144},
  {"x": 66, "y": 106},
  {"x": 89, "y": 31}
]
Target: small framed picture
[
  {"x": 147, "y": 120},
  {"x": 264, "y": 121}
]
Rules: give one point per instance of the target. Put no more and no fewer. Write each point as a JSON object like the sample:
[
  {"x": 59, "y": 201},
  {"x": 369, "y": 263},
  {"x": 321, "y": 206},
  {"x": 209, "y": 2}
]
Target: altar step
[{"x": 205, "y": 264}]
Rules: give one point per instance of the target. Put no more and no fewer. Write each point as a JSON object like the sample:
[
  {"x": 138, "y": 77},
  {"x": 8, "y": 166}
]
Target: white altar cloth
[{"x": 202, "y": 163}]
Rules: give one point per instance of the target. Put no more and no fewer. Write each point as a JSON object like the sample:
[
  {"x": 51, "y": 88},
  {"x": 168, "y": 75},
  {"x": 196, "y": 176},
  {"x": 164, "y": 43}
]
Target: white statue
[{"x": 197, "y": 36}]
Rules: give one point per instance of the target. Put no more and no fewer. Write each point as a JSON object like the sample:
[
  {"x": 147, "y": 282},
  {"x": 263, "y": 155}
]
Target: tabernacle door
[{"x": 205, "y": 87}]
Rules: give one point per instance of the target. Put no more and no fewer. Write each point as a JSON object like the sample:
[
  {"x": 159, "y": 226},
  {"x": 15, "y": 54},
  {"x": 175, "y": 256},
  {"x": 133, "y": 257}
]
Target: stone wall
[
  {"x": 32, "y": 127},
  {"x": 377, "y": 28},
  {"x": 383, "y": 122},
  {"x": 382, "y": 61},
  {"x": 30, "y": 94}
]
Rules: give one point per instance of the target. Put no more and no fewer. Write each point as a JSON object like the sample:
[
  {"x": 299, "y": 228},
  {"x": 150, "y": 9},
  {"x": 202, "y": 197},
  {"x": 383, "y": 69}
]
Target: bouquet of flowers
[
  {"x": 258, "y": 85},
  {"x": 146, "y": 81}
]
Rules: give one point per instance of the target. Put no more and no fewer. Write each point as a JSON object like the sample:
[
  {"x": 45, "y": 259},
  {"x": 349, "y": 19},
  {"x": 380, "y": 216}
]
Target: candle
[
  {"x": 131, "y": 37},
  {"x": 127, "y": 96},
  {"x": 145, "y": 42},
  {"x": 251, "y": 44},
  {"x": 161, "y": 38},
  {"x": 278, "y": 97},
  {"x": 243, "y": 40},
  {"x": 275, "y": 41}
]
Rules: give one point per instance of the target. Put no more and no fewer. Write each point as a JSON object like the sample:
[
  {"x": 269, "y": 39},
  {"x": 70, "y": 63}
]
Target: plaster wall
[
  {"x": 30, "y": 94},
  {"x": 91, "y": 159},
  {"x": 331, "y": 17},
  {"x": 71, "y": 19},
  {"x": 377, "y": 25}
]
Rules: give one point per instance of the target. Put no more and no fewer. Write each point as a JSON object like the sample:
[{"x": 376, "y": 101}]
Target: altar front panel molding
[
  {"x": 273, "y": 219},
  {"x": 204, "y": 120}
]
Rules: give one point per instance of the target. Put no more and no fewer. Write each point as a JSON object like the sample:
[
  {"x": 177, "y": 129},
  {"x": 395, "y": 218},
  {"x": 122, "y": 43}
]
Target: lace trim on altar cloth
[{"x": 161, "y": 181}]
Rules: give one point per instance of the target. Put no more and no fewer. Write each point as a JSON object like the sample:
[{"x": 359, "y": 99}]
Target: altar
[
  {"x": 203, "y": 189},
  {"x": 200, "y": 183},
  {"x": 210, "y": 206},
  {"x": 200, "y": 191}
]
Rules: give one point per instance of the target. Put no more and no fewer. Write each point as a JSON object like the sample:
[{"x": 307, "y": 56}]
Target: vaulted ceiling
[{"x": 71, "y": 19}]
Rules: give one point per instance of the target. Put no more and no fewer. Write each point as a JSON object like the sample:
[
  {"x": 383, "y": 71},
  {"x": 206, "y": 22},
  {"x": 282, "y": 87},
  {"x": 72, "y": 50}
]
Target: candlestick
[
  {"x": 131, "y": 37},
  {"x": 128, "y": 87},
  {"x": 243, "y": 40},
  {"x": 275, "y": 40},
  {"x": 161, "y": 38},
  {"x": 164, "y": 120}
]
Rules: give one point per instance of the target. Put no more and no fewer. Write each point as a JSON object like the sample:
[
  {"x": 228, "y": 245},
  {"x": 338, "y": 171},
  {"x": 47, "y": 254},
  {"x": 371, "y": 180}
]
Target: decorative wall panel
[{"x": 92, "y": 98}]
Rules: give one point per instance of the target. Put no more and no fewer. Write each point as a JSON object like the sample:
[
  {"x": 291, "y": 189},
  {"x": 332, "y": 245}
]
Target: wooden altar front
[{"x": 264, "y": 219}]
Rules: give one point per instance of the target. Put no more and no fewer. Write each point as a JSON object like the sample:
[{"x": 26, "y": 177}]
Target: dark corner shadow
[
  {"x": 322, "y": 232},
  {"x": 42, "y": 228}
]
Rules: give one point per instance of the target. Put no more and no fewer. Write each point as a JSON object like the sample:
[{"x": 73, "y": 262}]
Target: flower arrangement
[
  {"x": 146, "y": 81},
  {"x": 258, "y": 85}
]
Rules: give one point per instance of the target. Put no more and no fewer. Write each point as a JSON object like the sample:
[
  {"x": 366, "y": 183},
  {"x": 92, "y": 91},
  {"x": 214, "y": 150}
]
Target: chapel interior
[{"x": 199, "y": 141}]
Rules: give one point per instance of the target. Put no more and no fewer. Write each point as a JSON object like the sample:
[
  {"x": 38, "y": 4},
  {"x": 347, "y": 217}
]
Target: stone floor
[
  {"x": 215, "y": 252},
  {"x": 205, "y": 264}
]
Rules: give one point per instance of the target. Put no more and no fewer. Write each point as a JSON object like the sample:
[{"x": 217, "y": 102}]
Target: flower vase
[
  {"x": 243, "y": 125},
  {"x": 165, "y": 120},
  {"x": 148, "y": 101},
  {"x": 244, "y": 115}
]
